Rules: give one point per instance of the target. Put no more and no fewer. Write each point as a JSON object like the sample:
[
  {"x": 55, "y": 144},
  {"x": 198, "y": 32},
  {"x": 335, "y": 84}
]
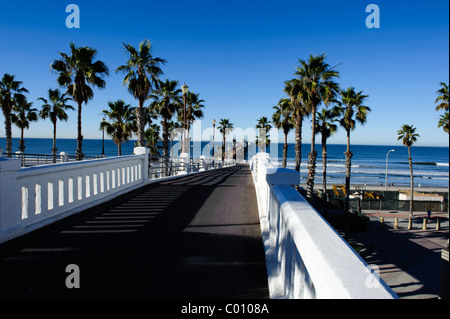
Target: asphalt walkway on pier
[{"x": 193, "y": 237}]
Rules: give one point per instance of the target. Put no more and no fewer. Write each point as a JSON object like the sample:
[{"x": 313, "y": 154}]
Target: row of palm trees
[
  {"x": 17, "y": 110},
  {"x": 408, "y": 134},
  {"x": 79, "y": 72},
  {"x": 315, "y": 85},
  {"x": 11, "y": 99},
  {"x": 166, "y": 101},
  {"x": 442, "y": 99}
]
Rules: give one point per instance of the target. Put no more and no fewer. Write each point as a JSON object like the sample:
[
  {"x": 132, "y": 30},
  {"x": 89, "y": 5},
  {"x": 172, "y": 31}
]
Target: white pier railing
[
  {"x": 33, "y": 197},
  {"x": 305, "y": 256}
]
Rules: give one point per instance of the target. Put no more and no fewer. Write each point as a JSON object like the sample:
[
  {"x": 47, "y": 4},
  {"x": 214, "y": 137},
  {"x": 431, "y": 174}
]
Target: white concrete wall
[
  {"x": 305, "y": 256},
  {"x": 36, "y": 196}
]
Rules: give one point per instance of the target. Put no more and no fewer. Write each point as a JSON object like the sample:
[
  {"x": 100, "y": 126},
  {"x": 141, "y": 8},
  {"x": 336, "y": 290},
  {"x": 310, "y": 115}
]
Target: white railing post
[
  {"x": 10, "y": 199},
  {"x": 64, "y": 157},
  {"x": 184, "y": 159},
  {"x": 145, "y": 168},
  {"x": 202, "y": 163}
]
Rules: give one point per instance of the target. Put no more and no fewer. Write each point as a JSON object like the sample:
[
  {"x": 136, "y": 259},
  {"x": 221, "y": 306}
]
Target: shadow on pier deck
[{"x": 193, "y": 237}]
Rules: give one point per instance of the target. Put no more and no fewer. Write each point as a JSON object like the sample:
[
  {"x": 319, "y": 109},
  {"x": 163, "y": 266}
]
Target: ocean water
[{"x": 430, "y": 164}]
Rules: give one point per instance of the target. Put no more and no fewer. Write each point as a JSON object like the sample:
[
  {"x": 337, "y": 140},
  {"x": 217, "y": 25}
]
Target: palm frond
[
  {"x": 444, "y": 122},
  {"x": 407, "y": 134}
]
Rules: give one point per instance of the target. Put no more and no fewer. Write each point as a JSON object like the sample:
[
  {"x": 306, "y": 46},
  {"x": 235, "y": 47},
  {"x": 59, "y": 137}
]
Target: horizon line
[{"x": 134, "y": 140}]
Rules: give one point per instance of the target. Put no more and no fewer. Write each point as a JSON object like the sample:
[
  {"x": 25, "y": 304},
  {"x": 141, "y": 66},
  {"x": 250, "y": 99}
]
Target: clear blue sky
[{"x": 237, "y": 55}]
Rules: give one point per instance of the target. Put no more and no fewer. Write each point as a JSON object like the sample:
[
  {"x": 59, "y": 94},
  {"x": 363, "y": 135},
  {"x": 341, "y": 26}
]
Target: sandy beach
[{"x": 422, "y": 189}]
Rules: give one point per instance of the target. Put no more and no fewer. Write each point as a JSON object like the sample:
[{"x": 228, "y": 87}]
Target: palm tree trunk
[
  {"x": 298, "y": 142},
  {"x": 223, "y": 147},
  {"x": 119, "y": 148},
  {"x": 188, "y": 140},
  {"x": 8, "y": 131},
  {"x": 411, "y": 199},
  {"x": 285, "y": 149},
  {"x": 140, "y": 123},
  {"x": 165, "y": 136},
  {"x": 79, "y": 153},
  {"x": 22, "y": 141},
  {"x": 261, "y": 139},
  {"x": 54, "y": 149},
  {"x": 348, "y": 166},
  {"x": 324, "y": 164},
  {"x": 312, "y": 159},
  {"x": 165, "y": 147}
]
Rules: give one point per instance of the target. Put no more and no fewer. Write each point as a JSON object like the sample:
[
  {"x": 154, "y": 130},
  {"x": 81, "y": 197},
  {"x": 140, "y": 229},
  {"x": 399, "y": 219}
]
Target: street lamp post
[
  {"x": 385, "y": 182},
  {"x": 214, "y": 130},
  {"x": 103, "y": 139},
  {"x": 184, "y": 89}
]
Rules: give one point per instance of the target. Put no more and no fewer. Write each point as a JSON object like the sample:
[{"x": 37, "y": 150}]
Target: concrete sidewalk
[
  {"x": 193, "y": 237},
  {"x": 407, "y": 260}
]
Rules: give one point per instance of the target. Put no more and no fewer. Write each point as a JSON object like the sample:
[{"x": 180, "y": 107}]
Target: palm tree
[
  {"x": 166, "y": 102},
  {"x": 326, "y": 127},
  {"x": 78, "y": 72},
  {"x": 444, "y": 122},
  {"x": 409, "y": 136},
  {"x": 122, "y": 122},
  {"x": 23, "y": 114},
  {"x": 317, "y": 82},
  {"x": 152, "y": 138},
  {"x": 55, "y": 108},
  {"x": 442, "y": 98},
  {"x": 173, "y": 133},
  {"x": 264, "y": 127},
  {"x": 225, "y": 127},
  {"x": 194, "y": 110},
  {"x": 149, "y": 115},
  {"x": 142, "y": 74},
  {"x": 350, "y": 110},
  {"x": 282, "y": 119},
  {"x": 10, "y": 91},
  {"x": 296, "y": 92}
]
